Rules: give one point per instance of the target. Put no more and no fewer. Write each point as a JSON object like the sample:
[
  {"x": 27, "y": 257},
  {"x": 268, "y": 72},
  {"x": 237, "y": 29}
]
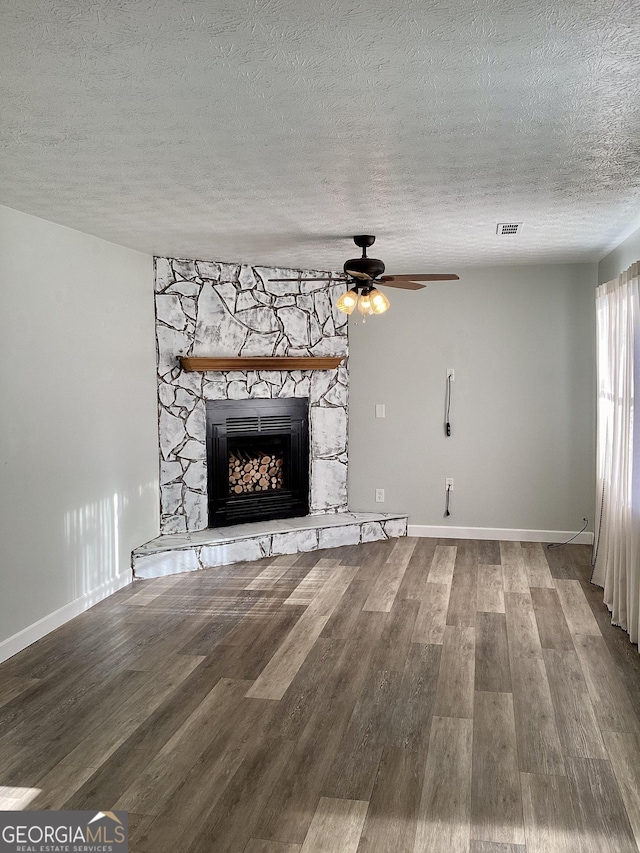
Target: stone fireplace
[
  {"x": 207, "y": 310},
  {"x": 218, "y": 309}
]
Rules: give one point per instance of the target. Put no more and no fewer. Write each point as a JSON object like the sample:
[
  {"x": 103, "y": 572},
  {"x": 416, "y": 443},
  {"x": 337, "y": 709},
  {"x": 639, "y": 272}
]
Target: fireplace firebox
[{"x": 257, "y": 460}]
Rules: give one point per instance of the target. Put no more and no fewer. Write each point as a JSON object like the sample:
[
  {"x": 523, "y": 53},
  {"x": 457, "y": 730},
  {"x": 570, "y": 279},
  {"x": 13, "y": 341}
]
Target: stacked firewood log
[{"x": 254, "y": 472}]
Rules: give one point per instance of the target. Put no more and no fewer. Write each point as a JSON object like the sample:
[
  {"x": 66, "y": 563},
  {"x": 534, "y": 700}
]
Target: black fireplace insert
[{"x": 257, "y": 460}]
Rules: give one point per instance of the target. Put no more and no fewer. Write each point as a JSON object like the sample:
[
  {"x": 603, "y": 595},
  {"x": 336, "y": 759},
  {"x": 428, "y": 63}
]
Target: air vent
[
  {"x": 279, "y": 423},
  {"x": 262, "y": 423},
  {"x": 236, "y": 425},
  {"x": 505, "y": 228}
]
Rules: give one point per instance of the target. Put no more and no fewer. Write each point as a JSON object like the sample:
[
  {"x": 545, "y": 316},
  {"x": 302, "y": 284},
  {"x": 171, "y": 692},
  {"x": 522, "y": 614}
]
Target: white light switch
[{"x": 380, "y": 410}]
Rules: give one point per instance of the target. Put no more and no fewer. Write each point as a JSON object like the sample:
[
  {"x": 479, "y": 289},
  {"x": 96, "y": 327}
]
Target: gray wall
[
  {"x": 522, "y": 343},
  {"x": 78, "y": 428},
  {"x": 620, "y": 259}
]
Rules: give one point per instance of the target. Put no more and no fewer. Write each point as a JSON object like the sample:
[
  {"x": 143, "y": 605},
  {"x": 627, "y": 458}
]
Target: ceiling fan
[{"x": 364, "y": 273}]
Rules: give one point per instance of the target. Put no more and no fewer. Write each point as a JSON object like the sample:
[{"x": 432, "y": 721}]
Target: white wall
[
  {"x": 521, "y": 341},
  {"x": 620, "y": 259},
  {"x": 78, "y": 426}
]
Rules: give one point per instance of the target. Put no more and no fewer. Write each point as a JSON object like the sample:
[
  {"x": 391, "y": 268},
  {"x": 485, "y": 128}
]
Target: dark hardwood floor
[{"x": 410, "y": 695}]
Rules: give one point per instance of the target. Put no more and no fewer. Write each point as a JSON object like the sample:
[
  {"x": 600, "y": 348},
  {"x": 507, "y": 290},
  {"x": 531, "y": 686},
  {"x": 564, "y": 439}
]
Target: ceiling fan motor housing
[{"x": 373, "y": 267}]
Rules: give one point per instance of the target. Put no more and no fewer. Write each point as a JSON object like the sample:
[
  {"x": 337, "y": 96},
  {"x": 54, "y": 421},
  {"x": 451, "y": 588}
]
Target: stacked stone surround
[{"x": 217, "y": 309}]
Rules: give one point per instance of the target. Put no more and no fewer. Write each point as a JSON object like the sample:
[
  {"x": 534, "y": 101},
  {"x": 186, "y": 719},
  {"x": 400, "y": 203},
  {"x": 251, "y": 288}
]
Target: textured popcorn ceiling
[{"x": 270, "y": 131}]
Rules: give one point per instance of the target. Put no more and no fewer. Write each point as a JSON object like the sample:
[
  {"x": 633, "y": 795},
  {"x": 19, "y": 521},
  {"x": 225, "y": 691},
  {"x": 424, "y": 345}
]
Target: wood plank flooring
[{"x": 406, "y": 696}]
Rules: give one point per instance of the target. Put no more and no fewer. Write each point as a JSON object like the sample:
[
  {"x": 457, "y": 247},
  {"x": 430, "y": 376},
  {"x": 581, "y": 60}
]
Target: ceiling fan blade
[
  {"x": 420, "y": 277},
  {"x": 356, "y": 274},
  {"x": 402, "y": 285},
  {"x": 324, "y": 278}
]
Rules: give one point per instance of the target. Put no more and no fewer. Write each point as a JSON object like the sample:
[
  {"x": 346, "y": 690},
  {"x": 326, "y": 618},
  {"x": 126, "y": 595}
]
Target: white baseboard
[
  {"x": 506, "y": 534},
  {"x": 12, "y": 645}
]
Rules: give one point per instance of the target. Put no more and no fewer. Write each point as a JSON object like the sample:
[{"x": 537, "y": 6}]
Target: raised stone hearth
[{"x": 172, "y": 554}]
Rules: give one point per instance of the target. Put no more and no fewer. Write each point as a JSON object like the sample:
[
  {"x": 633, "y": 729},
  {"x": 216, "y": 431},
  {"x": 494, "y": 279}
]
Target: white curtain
[{"x": 617, "y": 522}]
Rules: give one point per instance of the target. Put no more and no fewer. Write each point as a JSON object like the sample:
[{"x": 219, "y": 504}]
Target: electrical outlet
[
  {"x": 451, "y": 373},
  {"x": 448, "y": 483},
  {"x": 380, "y": 410},
  {"x": 379, "y": 496}
]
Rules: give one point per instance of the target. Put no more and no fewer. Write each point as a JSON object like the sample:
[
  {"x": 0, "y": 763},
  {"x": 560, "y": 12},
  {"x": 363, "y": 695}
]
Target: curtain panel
[{"x": 617, "y": 519}]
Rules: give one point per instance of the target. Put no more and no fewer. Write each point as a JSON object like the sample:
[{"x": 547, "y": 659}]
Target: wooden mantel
[{"x": 266, "y": 362}]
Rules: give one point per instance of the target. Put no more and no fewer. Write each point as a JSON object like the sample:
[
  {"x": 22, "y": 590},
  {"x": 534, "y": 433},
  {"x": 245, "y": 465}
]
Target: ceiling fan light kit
[
  {"x": 364, "y": 273},
  {"x": 369, "y": 301}
]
